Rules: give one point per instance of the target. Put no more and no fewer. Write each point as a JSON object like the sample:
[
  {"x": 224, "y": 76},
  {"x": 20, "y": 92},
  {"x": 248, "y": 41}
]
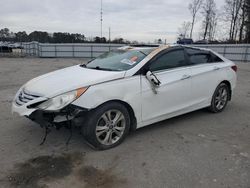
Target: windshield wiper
[
  {"x": 100, "y": 68},
  {"x": 96, "y": 68},
  {"x": 143, "y": 53},
  {"x": 83, "y": 65}
]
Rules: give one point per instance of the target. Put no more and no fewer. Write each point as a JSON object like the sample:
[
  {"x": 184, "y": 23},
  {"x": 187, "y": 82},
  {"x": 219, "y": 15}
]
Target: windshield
[{"x": 118, "y": 60}]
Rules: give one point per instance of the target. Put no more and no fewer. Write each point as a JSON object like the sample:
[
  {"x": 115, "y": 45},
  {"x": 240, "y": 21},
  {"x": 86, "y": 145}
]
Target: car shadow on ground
[
  {"x": 61, "y": 138},
  {"x": 173, "y": 122}
]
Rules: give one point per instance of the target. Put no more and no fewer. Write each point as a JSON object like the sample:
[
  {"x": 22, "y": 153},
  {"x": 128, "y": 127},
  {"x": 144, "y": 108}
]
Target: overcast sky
[{"x": 142, "y": 20}]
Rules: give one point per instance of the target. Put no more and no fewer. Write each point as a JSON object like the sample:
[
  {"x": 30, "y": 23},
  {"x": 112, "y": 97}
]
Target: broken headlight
[{"x": 60, "y": 101}]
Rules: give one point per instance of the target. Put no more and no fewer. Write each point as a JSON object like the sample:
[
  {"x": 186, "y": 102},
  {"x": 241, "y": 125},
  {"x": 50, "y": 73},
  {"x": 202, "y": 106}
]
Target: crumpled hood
[{"x": 68, "y": 79}]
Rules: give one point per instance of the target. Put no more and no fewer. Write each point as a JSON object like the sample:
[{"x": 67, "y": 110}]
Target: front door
[{"x": 173, "y": 94}]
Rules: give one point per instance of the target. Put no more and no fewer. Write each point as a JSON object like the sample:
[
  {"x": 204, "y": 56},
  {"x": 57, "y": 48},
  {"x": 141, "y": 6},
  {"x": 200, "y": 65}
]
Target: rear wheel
[
  {"x": 220, "y": 98},
  {"x": 107, "y": 126}
]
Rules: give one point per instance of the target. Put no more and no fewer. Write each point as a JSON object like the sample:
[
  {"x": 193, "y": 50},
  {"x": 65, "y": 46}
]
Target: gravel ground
[{"x": 199, "y": 149}]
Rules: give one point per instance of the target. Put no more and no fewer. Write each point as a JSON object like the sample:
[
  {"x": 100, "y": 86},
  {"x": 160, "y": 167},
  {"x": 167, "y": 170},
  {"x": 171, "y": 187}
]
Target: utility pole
[
  {"x": 101, "y": 18},
  {"x": 109, "y": 35}
]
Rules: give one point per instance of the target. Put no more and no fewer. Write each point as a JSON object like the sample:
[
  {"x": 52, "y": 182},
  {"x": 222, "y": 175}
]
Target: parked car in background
[
  {"x": 127, "y": 89},
  {"x": 202, "y": 42},
  {"x": 15, "y": 46},
  {"x": 5, "y": 49},
  {"x": 185, "y": 41}
]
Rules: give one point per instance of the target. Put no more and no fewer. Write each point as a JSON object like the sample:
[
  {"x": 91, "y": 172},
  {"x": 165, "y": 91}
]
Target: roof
[{"x": 159, "y": 48}]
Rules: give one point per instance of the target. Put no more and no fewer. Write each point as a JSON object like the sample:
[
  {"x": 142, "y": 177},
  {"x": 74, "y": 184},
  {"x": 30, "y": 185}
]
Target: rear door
[{"x": 205, "y": 75}]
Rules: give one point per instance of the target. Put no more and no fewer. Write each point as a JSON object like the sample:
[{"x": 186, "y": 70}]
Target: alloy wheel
[
  {"x": 110, "y": 127},
  {"x": 221, "y": 98}
]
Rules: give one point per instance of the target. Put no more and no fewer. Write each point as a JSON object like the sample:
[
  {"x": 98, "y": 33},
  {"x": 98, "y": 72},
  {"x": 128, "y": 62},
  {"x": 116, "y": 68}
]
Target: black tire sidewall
[{"x": 89, "y": 129}]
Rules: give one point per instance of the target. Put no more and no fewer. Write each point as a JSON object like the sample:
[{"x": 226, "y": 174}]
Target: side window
[
  {"x": 198, "y": 56},
  {"x": 216, "y": 59},
  {"x": 172, "y": 59}
]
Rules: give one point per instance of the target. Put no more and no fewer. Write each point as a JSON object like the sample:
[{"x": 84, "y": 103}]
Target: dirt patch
[
  {"x": 43, "y": 168},
  {"x": 40, "y": 171},
  {"x": 98, "y": 178}
]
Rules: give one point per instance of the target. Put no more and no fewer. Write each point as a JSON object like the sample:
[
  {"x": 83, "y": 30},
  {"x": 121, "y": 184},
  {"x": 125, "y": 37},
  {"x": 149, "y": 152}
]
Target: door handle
[
  {"x": 185, "y": 77},
  {"x": 217, "y": 68}
]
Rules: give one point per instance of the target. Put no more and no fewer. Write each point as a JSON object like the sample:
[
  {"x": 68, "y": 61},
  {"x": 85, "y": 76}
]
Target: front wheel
[
  {"x": 107, "y": 126},
  {"x": 220, "y": 98}
]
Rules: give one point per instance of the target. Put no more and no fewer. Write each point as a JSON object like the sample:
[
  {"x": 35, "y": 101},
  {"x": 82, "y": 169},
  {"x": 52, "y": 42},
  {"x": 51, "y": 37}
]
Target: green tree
[
  {"x": 39, "y": 36},
  {"x": 4, "y": 34},
  {"x": 247, "y": 23},
  {"x": 21, "y": 36}
]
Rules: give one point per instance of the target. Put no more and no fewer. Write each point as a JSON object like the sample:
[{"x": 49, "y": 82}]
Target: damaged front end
[
  {"x": 58, "y": 119},
  {"x": 50, "y": 112},
  {"x": 68, "y": 117}
]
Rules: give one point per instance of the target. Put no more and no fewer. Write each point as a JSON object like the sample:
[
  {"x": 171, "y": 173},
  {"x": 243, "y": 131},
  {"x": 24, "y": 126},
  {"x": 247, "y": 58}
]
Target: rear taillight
[{"x": 235, "y": 68}]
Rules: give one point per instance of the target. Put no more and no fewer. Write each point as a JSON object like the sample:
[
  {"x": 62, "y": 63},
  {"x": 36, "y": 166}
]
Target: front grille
[{"x": 25, "y": 97}]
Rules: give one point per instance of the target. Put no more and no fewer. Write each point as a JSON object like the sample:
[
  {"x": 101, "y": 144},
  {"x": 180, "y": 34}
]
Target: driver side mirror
[{"x": 153, "y": 79}]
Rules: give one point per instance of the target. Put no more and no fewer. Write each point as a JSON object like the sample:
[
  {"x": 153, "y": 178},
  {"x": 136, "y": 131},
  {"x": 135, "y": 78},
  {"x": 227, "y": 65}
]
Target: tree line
[
  {"x": 57, "y": 37},
  {"x": 230, "y": 23}
]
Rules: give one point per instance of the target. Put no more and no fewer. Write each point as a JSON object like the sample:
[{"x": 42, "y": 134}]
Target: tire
[
  {"x": 107, "y": 126},
  {"x": 220, "y": 98}
]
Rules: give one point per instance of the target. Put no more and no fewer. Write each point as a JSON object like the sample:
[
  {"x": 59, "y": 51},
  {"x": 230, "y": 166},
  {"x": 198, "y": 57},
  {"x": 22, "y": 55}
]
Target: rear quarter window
[
  {"x": 215, "y": 58},
  {"x": 197, "y": 56}
]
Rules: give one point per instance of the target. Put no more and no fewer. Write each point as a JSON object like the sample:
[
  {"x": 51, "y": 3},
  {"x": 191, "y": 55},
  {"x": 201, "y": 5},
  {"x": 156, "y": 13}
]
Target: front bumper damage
[
  {"x": 71, "y": 113},
  {"x": 69, "y": 116},
  {"x": 25, "y": 104}
]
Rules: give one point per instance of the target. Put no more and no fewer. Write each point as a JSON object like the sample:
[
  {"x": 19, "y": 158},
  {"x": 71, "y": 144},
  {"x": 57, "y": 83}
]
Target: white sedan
[{"x": 127, "y": 89}]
